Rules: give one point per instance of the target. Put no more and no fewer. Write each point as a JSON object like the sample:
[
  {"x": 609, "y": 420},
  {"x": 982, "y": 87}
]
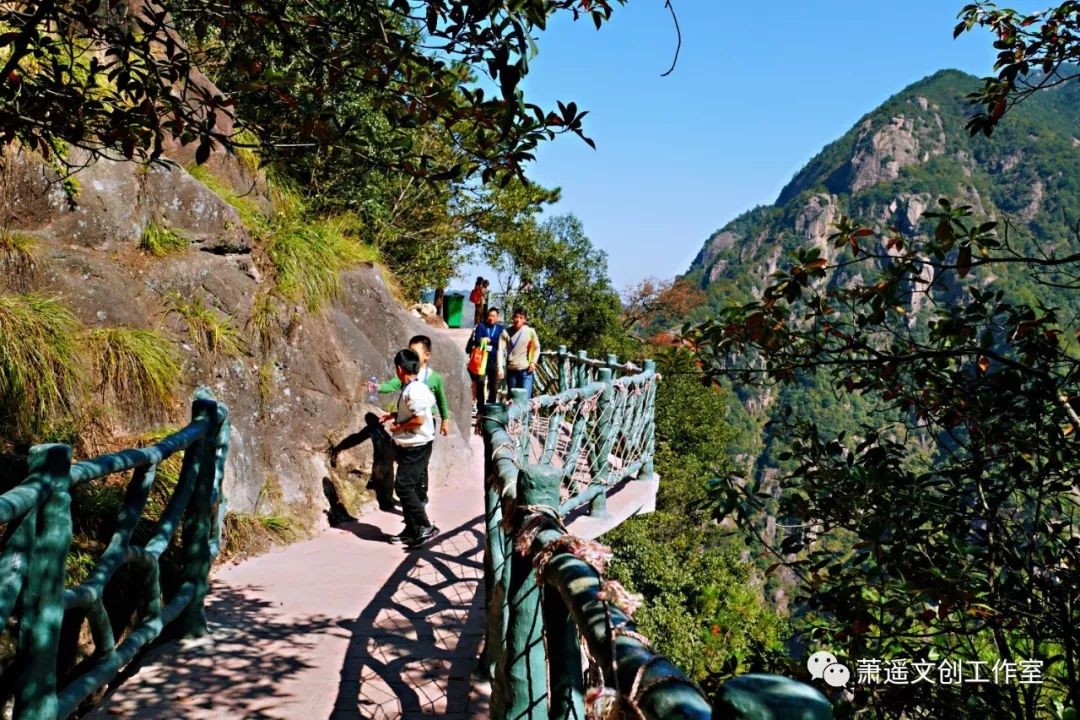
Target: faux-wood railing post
[
  {"x": 581, "y": 375},
  {"x": 649, "y": 440},
  {"x": 525, "y": 664},
  {"x": 494, "y": 418},
  {"x": 564, "y": 371},
  {"x": 663, "y": 691},
  {"x": 566, "y": 674},
  {"x": 43, "y": 599},
  {"x": 605, "y": 433},
  {"x": 199, "y": 518}
]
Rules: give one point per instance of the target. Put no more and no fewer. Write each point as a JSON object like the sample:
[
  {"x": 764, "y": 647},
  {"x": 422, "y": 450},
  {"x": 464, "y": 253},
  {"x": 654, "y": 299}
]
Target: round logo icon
[{"x": 823, "y": 666}]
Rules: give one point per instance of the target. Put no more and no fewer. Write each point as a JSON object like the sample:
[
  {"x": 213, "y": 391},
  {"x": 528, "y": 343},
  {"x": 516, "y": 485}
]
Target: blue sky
[{"x": 758, "y": 90}]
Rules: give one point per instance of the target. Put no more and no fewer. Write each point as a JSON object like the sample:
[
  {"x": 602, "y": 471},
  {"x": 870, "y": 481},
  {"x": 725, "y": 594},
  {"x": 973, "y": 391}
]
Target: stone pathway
[{"x": 345, "y": 625}]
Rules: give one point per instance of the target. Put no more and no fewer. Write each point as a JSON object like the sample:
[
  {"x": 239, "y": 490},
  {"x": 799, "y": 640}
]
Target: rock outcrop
[{"x": 289, "y": 399}]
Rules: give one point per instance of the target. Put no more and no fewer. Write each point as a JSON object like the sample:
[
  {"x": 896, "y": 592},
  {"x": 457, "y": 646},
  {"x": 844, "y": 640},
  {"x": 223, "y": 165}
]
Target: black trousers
[
  {"x": 412, "y": 464},
  {"x": 491, "y": 381}
]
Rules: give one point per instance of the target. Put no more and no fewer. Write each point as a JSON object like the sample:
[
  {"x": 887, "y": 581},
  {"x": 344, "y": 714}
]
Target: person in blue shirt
[{"x": 494, "y": 333}]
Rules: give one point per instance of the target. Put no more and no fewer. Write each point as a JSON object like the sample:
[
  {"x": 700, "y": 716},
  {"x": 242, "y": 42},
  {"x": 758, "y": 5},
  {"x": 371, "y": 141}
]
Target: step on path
[{"x": 346, "y": 625}]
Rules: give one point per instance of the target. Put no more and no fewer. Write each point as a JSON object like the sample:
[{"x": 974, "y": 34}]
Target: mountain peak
[
  {"x": 893, "y": 164},
  {"x": 904, "y": 130}
]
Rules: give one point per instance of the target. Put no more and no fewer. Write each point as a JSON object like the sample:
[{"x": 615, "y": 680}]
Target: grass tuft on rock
[
  {"x": 17, "y": 262},
  {"x": 247, "y": 534},
  {"x": 209, "y": 332},
  {"x": 265, "y": 323},
  {"x": 309, "y": 257},
  {"x": 138, "y": 368},
  {"x": 40, "y": 367},
  {"x": 159, "y": 240},
  {"x": 245, "y": 204}
]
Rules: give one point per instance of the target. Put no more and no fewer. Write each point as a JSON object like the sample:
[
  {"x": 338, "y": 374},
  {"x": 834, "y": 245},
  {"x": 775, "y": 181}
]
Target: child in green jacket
[{"x": 421, "y": 345}]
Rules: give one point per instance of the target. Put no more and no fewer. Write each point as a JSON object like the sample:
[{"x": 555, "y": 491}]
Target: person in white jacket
[
  {"x": 413, "y": 431},
  {"x": 522, "y": 352}
]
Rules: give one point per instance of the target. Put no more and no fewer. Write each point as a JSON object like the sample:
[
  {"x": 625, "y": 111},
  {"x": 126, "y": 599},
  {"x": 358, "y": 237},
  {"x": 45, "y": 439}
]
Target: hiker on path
[
  {"x": 421, "y": 345},
  {"x": 489, "y": 337},
  {"x": 478, "y": 297},
  {"x": 382, "y": 464},
  {"x": 413, "y": 431},
  {"x": 522, "y": 352}
]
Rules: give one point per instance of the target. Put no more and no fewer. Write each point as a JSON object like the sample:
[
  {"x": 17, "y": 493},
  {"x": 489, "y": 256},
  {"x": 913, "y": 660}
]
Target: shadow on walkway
[
  {"x": 228, "y": 673},
  {"x": 414, "y": 647}
]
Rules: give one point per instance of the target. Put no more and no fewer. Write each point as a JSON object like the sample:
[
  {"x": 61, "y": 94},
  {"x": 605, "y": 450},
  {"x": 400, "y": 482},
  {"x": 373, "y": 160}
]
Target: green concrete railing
[
  {"x": 547, "y": 601},
  {"x": 593, "y": 419},
  {"x": 37, "y": 532}
]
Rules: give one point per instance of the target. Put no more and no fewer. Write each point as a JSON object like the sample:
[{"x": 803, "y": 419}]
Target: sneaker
[
  {"x": 423, "y": 538},
  {"x": 402, "y": 538}
]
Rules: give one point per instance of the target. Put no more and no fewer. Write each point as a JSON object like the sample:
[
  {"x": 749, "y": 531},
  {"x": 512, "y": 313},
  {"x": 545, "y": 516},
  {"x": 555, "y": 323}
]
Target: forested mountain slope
[
  {"x": 901, "y": 330},
  {"x": 896, "y": 162},
  {"x": 889, "y": 169}
]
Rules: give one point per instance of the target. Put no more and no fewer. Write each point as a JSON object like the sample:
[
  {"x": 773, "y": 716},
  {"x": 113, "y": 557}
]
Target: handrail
[
  {"x": 594, "y": 420},
  {"x": 38, "y": 522},
  {"x": 558, "y": 370},
  {"x": 546, "y": 596}
]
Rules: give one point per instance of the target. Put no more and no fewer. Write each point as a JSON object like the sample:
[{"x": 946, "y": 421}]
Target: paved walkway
[
  {"x": 341, "y": 626},
  {"x": 345, "y": 625}
]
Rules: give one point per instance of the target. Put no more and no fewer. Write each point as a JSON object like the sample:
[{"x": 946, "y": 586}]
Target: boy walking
[
  {"x": 413, "y": 431},
  {"x": 421, "y": 345}
]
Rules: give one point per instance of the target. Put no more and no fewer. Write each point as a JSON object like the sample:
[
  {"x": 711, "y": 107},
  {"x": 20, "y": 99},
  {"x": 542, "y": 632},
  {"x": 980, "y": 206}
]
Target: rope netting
[
  {"x": 634, "y": 402},
  {"x": 597, "y": 432},
  {"x": 565, "y": 434},
  {"x": 546, "y": 377}
]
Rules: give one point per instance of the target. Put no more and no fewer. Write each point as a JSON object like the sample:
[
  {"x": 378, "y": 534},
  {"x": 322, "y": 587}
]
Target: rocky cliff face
[
  {"x": 886, "y": 172},
  {"x": 289, "y": 399},
  {"x": 892, "y": 166}
]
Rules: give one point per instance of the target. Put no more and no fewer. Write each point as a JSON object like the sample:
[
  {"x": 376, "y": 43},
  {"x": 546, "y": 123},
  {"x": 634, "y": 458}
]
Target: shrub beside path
[{"x": 345, "y": 625}]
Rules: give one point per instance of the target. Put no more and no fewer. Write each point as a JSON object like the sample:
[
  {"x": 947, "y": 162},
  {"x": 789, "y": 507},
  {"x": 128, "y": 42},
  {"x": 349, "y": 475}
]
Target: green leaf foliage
[
  {"x": 554, "y": 272},
  {"x": 704, "y": 606},
  {"x": 297, "y": 68},
  {"x": 918, "y": 373}
]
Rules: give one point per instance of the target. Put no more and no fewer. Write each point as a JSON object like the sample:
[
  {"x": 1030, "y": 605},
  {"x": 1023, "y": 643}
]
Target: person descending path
[
  {"x": 487, "y": 357},
  {"x": 413, "y": 431},
  {"x": 478, "y": 298},
  {"x": 522, "y": 352}
]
